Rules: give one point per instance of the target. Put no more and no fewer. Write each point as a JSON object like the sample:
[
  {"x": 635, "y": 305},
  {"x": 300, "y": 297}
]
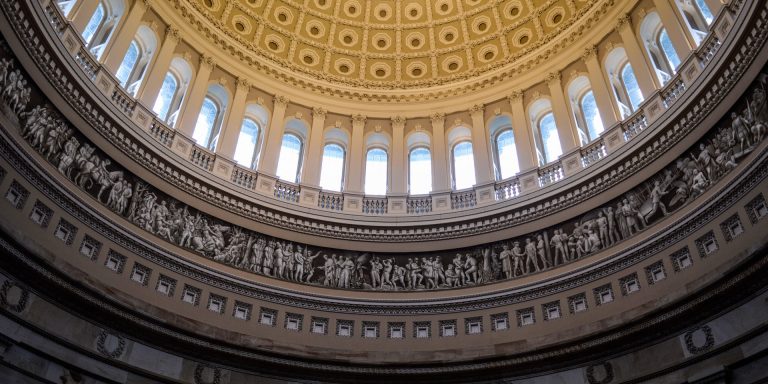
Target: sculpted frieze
[{"x": 150, "y": 209}]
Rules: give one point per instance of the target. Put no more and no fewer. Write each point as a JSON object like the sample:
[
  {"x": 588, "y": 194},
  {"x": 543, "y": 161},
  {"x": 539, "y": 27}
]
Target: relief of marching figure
[{"x": 47, "y": 132}]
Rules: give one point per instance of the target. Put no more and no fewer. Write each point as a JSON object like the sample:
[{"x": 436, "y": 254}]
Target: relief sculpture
[{"x": 48, "y": 133}]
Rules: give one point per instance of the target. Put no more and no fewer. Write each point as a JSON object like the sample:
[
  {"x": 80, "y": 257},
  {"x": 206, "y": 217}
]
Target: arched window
[
  {"x": 290, "y": 158},
  {"x": 506, "y": 154},
  {"x": 419, "y": 171},
  {"x": 549, "y": 137},
  {"x": 166, "y": 96},
  {"x": 101, "y": 25},
  {"x": 376, "y": 172},
  {"x": 698, "y": 17},
  {"x": 631, "y": 87},
  {"x": 209, "y": 115},
  {"x": 66, "y": 6},
  {"x": 245, "y": 151},
  {"x": 332, "y": 168},
  {"x": 128, "y": 64},
  {"x": 668, "y": 49},
  {"x": 463, "y": 166},
  {"x": 591, "y": 115},
  {"x": 94, "y": 23}
]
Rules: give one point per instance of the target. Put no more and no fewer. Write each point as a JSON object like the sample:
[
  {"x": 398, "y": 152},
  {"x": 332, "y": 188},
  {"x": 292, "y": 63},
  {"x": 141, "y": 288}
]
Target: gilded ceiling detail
[{"x": 391, "y": 45}]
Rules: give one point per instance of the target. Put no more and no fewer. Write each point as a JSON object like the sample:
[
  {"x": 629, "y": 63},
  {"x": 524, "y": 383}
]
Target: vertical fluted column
[
  {"x": 151, "y": 87},
  {"x": 645, "y": 79},
  {"x": 569, "y": 137},
  {"x": 82, "y": 14},
  {"x": 118, "y": 46},
  {"x": 605, "y": 103},
  {"x": 354, "y": 180},
  {"x": 440, "y": 179},
  {"x": 526, "y": 153},
  {"x": 399, "y": 155},
  {"x": 681, "y": 40},
  {"x": 274, "y": 135},
  {"x": 311, "y": 174},
  {"x": 480, "y": 151},
  {"x": 191, "y": 108},
  {"x": 233, "y": 121}
]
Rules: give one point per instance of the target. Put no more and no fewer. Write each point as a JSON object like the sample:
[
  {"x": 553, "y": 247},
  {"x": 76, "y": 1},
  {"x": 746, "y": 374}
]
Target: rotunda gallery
[{"x": 383, "y": 191}]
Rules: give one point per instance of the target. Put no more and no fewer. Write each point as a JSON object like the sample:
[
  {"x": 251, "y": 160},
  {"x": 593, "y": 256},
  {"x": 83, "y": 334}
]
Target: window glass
[
  {"x": 591, "y": 115},
  {"x": 129, "y": 61},
  {"x": 66, "y": 6},
  {"x": 669, "y": 49},
  {"x": 290, "y": 155},
  {"x": 463, "y": 166},
  {"x": 420, "y": 171},
  {"x": 165, "y": 98},
  {"x": 246, "y": 143},
  {"x": 550, "y": 138},
  {"x": 630, "y": 84},
  {"x": 93, "y": 24},
  {"x": 376, "y": 172},
  {"x": 705, "y": 11},
  {"x": 507, "y": 154},
  {"x": 332, "y": 167},
  {"x": 205, "y": 121}
]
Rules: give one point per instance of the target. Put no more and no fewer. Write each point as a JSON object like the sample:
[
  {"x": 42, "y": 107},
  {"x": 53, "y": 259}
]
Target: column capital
[
  {"x": 477, "y": 108},
  {"x": 515, "y": 96},
  {"x": 590, "y": 52},
  {"x": 243, "y": 84},
  {"x": 553, "y": 78},
  {"x": 319, "y": 112},
  {"x": 207, "y": 60},
  {"x": 358, "y": 119},
  {"x": 280, "y": 101},
  {"x": 624, "y": 20},
  {"x": 437, "y": 118},
  {"x": 172, "y": 33},
  {"x": 398, "y": 120}
]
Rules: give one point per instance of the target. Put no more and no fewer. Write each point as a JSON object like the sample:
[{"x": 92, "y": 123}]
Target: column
[
  {"x": 483, "y": 174},
  {"x": 681, "y": 38},
  {"x": 118, "y": 46},
  {"x": 645, "y": 78},
  {"x": 399, "y": 156},
  {"x": 569, "y": 138},
  {"x": 440, "y": 179},
  {"x": 188, "y": 116},
  {"x": 233, "y": 121},
  {"x": 274, "y": 135},
  {"x": 311, "y": 174},
  {"x": 605, "y": 103},
  {"x": 355, "y": 174},
  {"x": 82, "y": 14},
  {"x": 526, "y": 153},
  {"x": 154, "y": 81}
]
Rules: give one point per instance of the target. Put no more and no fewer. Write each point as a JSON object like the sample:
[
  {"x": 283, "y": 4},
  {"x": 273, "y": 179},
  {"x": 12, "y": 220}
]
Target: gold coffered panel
[{"x": 392, "y": 44}]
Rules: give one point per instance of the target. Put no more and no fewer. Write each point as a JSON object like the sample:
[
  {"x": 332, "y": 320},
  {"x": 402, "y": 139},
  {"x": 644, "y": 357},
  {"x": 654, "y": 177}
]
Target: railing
[
  {"x": 673, "y": 90},
  {"x": 287, "y": 191},
  {"x": 419, "y": 205},
  {"x": 593, "y": 152},
  {"x": 331, "y": 201},
  {"x": 375, "y": 205},
  {"x": 161, "y": 132},
  {"x": 202, "y": 158},
  {"x": 243, "y": 177},
  {"x": 551, "y": 173},
  {"x": 462, "y": 200},
  {"x": 508, "y": 189},
  {"x": 634, "y": 125}
]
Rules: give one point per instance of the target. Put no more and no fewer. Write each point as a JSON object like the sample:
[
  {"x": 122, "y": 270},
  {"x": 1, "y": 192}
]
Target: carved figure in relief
[
  {"x": 506, "y": 260},
  {"x": 399, "y": 275},
  {"x": 530, "y": 256},
  {"x": 347, "y": 268},
  {"x": 329, "y": 266},
  {"x": 439, "y": 270},
  {"x": 541, "y": 252},
  {"x": 67, "y": 157},
  {"x": 309, "y": 261},
  {"x": 257, "y": 254},
  {"x": 279, "y": 260},
  {"x": 656, "y": 193},
  {"x": 269, "y": 257},
  {"x": 630, "y": 218},
  {"x": 740, "y": 131},
  {"x": 298, "y": 263},
  {"x": 458, "y": 266},
  {"x": 122, "y": 202},
  {"x": 518, "y": 257},
  {"x": 471, "y": 274},
  {"x": 452, "y": 277}
]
